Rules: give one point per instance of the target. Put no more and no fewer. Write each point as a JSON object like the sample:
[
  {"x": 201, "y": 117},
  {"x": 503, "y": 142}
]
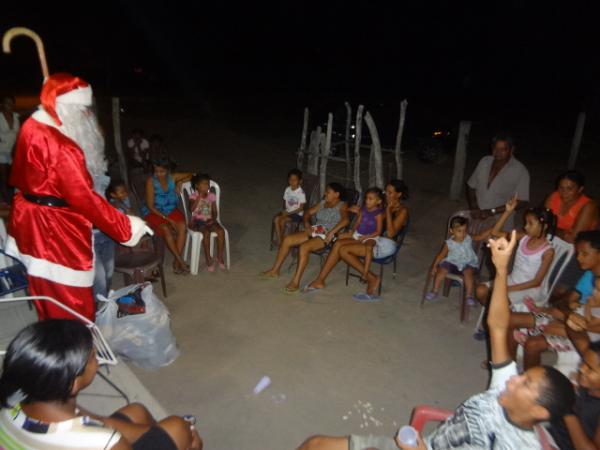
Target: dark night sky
[{"x": 511, "y": 54}]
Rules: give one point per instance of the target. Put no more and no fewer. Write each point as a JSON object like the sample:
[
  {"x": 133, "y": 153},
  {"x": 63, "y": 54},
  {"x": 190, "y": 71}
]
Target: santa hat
[{"x": 66, "y": 89}]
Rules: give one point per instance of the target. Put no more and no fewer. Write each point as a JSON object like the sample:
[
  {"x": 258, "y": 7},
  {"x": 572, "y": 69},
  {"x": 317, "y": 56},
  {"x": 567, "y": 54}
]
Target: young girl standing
[
  {"x": 203, "y": 205},
  {"x": 533, "y": 257}
]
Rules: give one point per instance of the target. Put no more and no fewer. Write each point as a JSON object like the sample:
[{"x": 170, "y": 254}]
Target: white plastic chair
[
  {"x": 194, "y": 237},
  {"x": 563, "y": 252},
  {"x": 104, "y": 353}
]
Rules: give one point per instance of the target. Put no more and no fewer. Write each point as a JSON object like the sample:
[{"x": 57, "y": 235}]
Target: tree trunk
[
  {"x": 460, "y": 159},
  {"x": 376, "y": 151},
  {"x": 347, "y": 141},
  {"x": 577, "y": 137},
  {"x": 302, "y": 149},
  {"x": 116, "y": 116},
  {"x": 325, "y": 150},
  {"x": 357, "y": 139},
  {"x": 398, "y": 146}
]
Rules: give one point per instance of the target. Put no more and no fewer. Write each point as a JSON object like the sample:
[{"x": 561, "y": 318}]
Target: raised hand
[
  {"x": 512, "y": 203},
  {"x": 502, "y": 250}
]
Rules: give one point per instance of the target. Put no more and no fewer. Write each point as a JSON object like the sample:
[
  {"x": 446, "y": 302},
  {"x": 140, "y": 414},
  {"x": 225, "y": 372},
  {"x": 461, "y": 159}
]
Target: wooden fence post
[
  {"x": 376, "y": 160},
  {"x": 347, "y": 141},
  {"x": 325, "y": 150},
  {"x": 460, "y": 159},
  {"x": 398, "y": 146},
  {"x": 116, "y": 116},
  {"x": 577, "y": 137},
  {"x": 313, "y": 155},
  {"x": 357, "y": 139},
  {"x": 302, "y": 149}
]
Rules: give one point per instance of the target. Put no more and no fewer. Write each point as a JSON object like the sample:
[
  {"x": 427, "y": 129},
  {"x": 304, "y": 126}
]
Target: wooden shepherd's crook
[{"x": 21, "y": 31}]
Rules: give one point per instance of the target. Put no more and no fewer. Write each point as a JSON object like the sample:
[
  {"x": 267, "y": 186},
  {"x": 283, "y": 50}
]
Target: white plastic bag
[{"x": 145, "y": 339}]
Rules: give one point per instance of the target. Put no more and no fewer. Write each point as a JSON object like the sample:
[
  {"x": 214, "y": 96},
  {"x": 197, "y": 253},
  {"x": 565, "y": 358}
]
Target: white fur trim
[
  {"x": 138, "y": 230},
  {"x": 81, "y": 96},
  {"x": 48, "y": 270},
  {"x": 42, "y": 116}
]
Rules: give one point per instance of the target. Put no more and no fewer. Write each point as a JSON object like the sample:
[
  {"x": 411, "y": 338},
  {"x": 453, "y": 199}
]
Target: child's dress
[
  {"x": 461, "y": 254},
  {"x": 202, "y": 215},
  {"x": 526, "y": 266}
]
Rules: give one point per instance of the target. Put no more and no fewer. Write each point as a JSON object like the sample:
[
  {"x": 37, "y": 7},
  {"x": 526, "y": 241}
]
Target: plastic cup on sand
[
  {"x": 262, "y": 385},
  {"x": 407, "y": 435}
]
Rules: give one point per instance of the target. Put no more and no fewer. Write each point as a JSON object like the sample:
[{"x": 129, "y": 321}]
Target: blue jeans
[{"x": 104, "y": 263}]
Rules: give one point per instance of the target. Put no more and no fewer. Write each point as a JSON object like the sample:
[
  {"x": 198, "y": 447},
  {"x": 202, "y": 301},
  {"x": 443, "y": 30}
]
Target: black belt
[{"x": 46, "y": 200}]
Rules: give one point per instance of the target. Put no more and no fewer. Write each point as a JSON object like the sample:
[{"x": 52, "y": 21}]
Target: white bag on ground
[{"x": 145, "y": 339}]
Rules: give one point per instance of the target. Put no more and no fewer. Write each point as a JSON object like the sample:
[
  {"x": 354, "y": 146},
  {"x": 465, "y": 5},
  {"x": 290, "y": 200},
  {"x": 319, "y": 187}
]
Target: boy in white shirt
[{"x": 295, "y": 199}]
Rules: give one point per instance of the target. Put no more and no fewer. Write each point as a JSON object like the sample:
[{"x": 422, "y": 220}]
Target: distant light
[
  {"x": 353, "y": 136},
  {"x": 352, "y": 126},
  {"x": 437, "y": 133}
]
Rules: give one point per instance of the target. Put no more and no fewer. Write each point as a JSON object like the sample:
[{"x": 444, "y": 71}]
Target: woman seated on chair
[
  {"x": 161, "y": 211},
  {"x": 350, "y": 251},
  {"x": 331, "y": 216},
  {"x": 46, "y": 366},
  {"x": 574, "y": 210}
]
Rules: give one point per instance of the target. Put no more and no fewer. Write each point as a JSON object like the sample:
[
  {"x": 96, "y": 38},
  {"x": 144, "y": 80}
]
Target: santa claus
[{"x": 55, "y": 205}]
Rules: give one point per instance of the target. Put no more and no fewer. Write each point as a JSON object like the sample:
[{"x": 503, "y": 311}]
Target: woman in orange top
[{"x": 574, "y": 210}]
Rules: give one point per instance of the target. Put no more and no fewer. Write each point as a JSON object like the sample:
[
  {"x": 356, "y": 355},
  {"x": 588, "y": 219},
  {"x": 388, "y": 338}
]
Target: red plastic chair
[{"x": 426, "y": 413}]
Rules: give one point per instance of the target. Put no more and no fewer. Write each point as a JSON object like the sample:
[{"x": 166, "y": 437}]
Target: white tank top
[{"x": 527, "y": 262}]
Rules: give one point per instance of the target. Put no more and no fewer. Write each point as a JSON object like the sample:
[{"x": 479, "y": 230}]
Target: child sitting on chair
[
  {"x": 203, "y": 205},
  {"x": 295, "y": 199},
  {"x": 456, "y": 257},
  {"x": 369, "y": 224}
]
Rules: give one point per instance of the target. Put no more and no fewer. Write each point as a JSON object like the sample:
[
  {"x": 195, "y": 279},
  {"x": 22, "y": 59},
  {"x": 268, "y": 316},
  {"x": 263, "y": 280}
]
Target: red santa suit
[{"x": 55, "y": 242}]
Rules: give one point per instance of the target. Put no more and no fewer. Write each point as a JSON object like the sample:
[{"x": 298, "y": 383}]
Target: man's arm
[
  {"x": 472, "y": 198},
  {"x": 498, "y": 310}
]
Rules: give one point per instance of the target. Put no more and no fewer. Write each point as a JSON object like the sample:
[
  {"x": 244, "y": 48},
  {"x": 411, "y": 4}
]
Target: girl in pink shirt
[{"x": 203, "y": 205}]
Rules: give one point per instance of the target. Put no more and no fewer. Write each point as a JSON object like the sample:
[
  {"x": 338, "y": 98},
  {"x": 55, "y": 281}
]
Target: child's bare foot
[{"x": 373, "y": 285}]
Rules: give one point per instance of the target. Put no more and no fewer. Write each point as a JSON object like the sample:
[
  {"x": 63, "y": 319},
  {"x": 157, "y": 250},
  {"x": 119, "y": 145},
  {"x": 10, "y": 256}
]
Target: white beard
[{"x": 81, "y": 125}]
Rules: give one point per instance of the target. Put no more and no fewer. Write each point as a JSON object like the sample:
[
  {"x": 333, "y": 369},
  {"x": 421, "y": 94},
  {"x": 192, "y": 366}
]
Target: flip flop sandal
[
  {"x": 309, "y": 289},
  {"x": 290, "y": 291},
  {"x": 366, "y": 298}
]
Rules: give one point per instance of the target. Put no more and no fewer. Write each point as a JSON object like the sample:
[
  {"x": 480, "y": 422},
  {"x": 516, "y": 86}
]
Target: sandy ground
[{"x": 337, "y": 366}]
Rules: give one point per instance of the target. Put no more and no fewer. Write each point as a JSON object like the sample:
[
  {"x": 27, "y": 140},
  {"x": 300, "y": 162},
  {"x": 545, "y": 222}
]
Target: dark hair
[
  {"x": 573, "y": 175},
  {"x": 337, "y": 187},
  {"x": 296, "y": 172},
  {"x": 9, "y": 97},
  {"x": 375, "y": 190},
  {"x": 44, "y": 359},
  {"x": 112, "y": 187},
  {"x": 593, "y": 237},
  {"x": 546, "y": 217},
  {"x": 556, "y": 393},
  {"x": 400, "y": 187},
  {"x": 164, "y": 162},
  {"x": 506, "y": 137},
  {"x": 137, "y": 131},
  {"x": 458, "y": 221},
  {"x": 198, "y": 177}
]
